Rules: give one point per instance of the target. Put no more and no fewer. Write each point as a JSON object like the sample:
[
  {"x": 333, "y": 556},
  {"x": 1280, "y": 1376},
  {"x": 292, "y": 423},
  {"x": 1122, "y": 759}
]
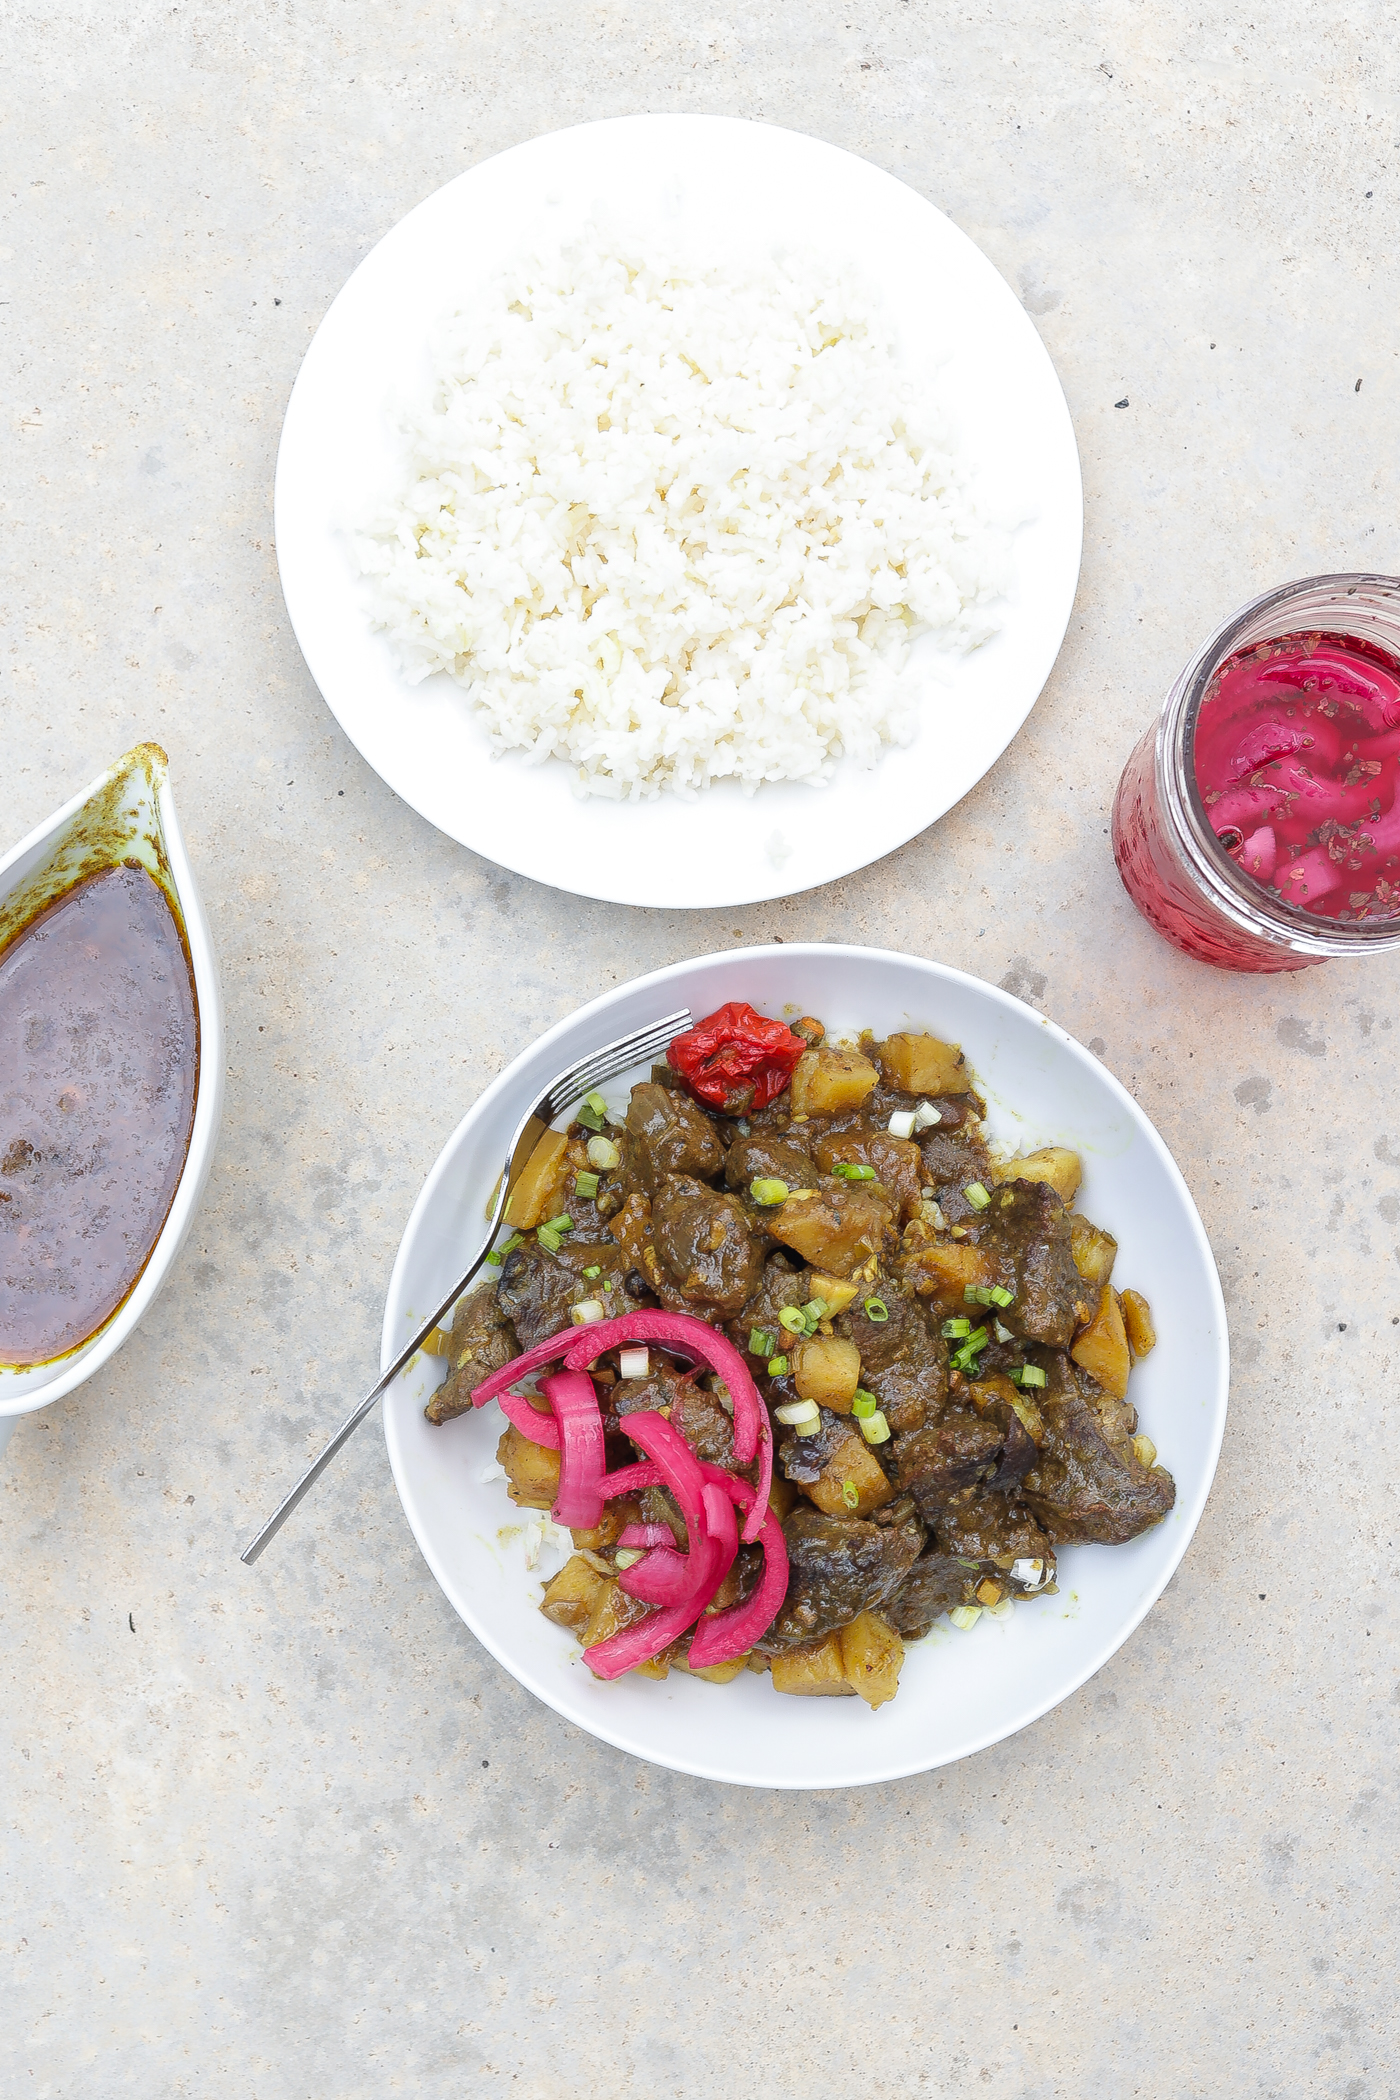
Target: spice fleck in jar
[{"x": 1257, "y": 823}]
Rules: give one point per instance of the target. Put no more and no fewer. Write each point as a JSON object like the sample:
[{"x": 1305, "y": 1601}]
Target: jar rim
[{"x": 1362, "y": 606}]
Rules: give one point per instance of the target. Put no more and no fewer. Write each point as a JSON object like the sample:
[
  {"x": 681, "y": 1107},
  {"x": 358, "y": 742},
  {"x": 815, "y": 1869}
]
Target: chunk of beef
[
  {"x": 936, "y": 1583},
  {"x": 481, "y": 1343},
  {"x": 805, "y": 1458},
  {"x": 538, "y": 1290},
  {"x": 662, "y": 1388},
  {"x": 993, "y": 1529},
  {"x": 903, "y": 1359},
  {"x": 1088, "y": 1485},
  {"x": 839, "y": 1566},
  {"x": 1027, "y": 1233},
  {"x": 954, "y": 1157},
  {"x": 667, "y": 1134},
  {"x": 943, "y": 1465},
  {"x": 784, "y": 1282},
  {"x": 897, "y": 1162},
  {"x": 705, "y": 1425},
  {"x": 770, "y": 1159},
  {"x": 710, "y": 1258}
]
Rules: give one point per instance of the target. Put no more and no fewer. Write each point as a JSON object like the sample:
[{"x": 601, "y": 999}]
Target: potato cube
[
  {"x": 834, "y": 1294},
  {"x": 839, "y": 1228},
  {"x": 1055, "y": 1164},
  {"x": 920, "y": 1064},
  {"x": 1137, "y": 1319},
  {"x": 815, "y": 1672},
  {"x": 1094, "y": 1250},
  {"x": 716, "y": 1673},
  {"x": 532, "y": 1470},
  {"x": 782, "y": 1496},
  {"x": 569, "y": 1599},
  {"x": 827, "y": 1370},
  {"x": 532, "y": 1198},
  {"x": 831, "y": 1082},
  {"x": 871, "y": 1656},
  {"x": 1101, "y": 1348},
  {"x": 944, "y": 1269},
  {"x": 612, "y": 1610},
  {"x": 852, "y": 1483}
]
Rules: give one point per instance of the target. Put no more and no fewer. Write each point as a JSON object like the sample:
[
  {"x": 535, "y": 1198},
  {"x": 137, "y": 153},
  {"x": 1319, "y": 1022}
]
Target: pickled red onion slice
[{"x": 582, "y": 1460}]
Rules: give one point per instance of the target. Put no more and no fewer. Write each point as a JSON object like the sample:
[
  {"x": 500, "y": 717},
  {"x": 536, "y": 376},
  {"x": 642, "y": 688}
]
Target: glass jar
[{"x": 1174, "y": 868}]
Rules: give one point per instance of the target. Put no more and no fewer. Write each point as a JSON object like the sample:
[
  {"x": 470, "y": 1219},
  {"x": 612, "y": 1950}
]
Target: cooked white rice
[{"x": 673, "y": 523}]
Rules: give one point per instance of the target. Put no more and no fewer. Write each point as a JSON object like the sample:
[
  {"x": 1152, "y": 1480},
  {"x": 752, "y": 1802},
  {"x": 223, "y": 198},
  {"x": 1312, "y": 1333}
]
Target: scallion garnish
[
  {"x": 875, "y": 1429},
  {"x": 849, "y": 1171},
  {"x": 987, "y": 1294},
  {"x": 956, "y": 1330},
  {"x": 1028, "y": 1374},
  {"x": 791, "y": 1318},
  {"x": 864, "y": 1404},
  {"x": 596, "y": 1102},
  {"x": 588, "y": 1117},
  {"x": 850, "y": 1494},
  {"x": 594, "y": 1271},
  {"x": 767, "y": 1191},
  {"x": 777, "y": 1367},
  {"x": 586, "y": 1185},
  {"x": 761, "y": 1343},
  {"x": 603, "y": 1154},
  {"x": 549, "y": 1238},
  {"x": 976, "y": 1195},
  {"x": 964, "y": 1358},
  {"x": 563, "y": 1223},
  {"x": 801, "y": 1415},
  {"x": 876, "y": 1311}
]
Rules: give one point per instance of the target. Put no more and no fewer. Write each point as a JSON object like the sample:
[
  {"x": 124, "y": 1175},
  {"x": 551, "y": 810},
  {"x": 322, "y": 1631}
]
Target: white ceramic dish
[
  {"x": 959, "y": 1692},
  {"x": 731, "y": 183},
  {"x": 127, "y": 814}
]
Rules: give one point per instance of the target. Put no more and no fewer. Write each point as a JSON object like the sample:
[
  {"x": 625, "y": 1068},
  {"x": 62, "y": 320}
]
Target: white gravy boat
[{"x": 128, "y": 814}]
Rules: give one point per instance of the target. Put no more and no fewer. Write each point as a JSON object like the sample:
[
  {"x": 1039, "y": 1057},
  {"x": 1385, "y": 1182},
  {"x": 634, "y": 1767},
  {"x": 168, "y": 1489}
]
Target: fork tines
[{"x": 613, "y": 1058}]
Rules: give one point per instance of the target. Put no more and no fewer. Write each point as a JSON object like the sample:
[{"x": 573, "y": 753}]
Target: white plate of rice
[{"x": 679, "y": 511}]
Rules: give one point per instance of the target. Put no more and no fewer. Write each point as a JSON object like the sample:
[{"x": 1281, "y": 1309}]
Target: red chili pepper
[{"x": 732, "y": 1051}]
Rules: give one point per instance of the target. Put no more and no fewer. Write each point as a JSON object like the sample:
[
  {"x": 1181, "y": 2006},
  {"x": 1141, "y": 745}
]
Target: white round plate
[
  {"x": 728, "y": 183},
  {"x": 958, "y": 1691}
]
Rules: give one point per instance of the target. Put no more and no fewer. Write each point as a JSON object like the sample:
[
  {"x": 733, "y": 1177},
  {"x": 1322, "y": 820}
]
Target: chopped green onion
[
  {"x": 777, "y": 1367},
  {"x": 875, "y": 1429},
  {"x": 988, "y": 1294},
  {"x": 848, "y": 1171},
  {"x": 634, "y": 1363},
  {"x": 498, "y": 1254},
  {"x": 1000, "y": 1295},
  {"x": 799, "y": 1414},
  {"x": 603, "y": 1154},
  {"x": 850, "y": 1494},
  {"x": 548, "y": 1237},
  {"x": 1003, "y": 1334},
  {"x": 901, "y": 1124},
  {"x": 590, "y": 1118},
  {"x": 956, "y": 1330},
  {"x": 864, "y": 1405},
  {"x": 586, "y": 1313},
  {"x": 594, "y": 1271},
  {"x": 876, "y": 1311},
  {"x": 1029, "y": 1374},
  {"x": 596, "y": 1102},
  {"x": 768, "y": 1190},
  {"x": 586, "y": 1185},
  {"x": 963, "y": 1359},
  {"x": 563, "y": 1223},
  {"x": 966, "y": 1617},
  {"x": 791, "y": 1318},
  {"x": 976, "y": 1195},
  {"x": 761, "y": 1343},
  {"x": 815, "y": 1311},
  {"x": 627, "y": 1556},
  {"x": 926, "y": 1115}
]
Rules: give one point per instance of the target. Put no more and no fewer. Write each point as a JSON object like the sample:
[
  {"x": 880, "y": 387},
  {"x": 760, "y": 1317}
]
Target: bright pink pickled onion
[
  {"x": 582, "y": 1459},
  {"x": 518, "y": 1367},
  {"x": 1239, "y": 806},
  {"x": 681, "y": 1470},
  {"x": 641, "y": 1643},
  {"x": 630, "y": 1480},
  {"x": 1259, "y": 853},
  {"x": 1326, "y": 672},
  {"x": 731, "y": 1633},
  {"x": 666, "y": 1576},
  {"x": 692, "y": 1337},
  {"x": 646, "y": 1535},
  {"x": 540, "y": 1429},
  {"x": 1314, "y": 874},
  {"x": 1271, "y": 739}
]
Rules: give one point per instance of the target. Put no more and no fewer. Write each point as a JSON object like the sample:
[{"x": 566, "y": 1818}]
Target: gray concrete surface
[{"x": 291, "y": 1833}]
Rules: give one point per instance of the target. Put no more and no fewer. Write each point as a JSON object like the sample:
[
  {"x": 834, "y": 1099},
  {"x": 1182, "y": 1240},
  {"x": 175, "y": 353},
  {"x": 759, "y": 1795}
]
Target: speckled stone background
[{"x": 288, "y": 1834}]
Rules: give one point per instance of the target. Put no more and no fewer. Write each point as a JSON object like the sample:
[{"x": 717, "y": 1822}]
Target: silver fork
[{"x": 562, "y": 1093}]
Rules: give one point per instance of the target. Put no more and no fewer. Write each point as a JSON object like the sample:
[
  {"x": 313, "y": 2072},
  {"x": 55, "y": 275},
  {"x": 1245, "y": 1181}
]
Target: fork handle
[{"x": 352, "y": 1422}]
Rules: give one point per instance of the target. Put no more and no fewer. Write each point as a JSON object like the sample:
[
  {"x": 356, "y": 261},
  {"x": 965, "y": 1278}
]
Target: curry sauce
[{"x": 99, "y": 1064}]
